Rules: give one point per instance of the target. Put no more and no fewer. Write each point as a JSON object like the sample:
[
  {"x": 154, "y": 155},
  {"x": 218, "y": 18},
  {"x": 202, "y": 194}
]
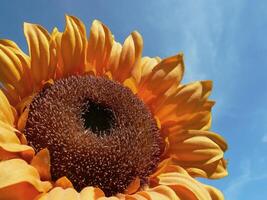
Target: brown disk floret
[{"x": 97, "y": 131}]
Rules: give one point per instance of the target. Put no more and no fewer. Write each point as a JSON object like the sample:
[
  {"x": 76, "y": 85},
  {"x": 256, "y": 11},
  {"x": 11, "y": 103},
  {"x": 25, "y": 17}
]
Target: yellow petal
[
  {"x": 57, "y": 37},
  {"x": 6, "y": 114},
  {"x": 165, "y": 76},
  {"x": 215, "y": 194},
  {"x": 40, "y": 44},
  {"x": 73, "y": 46},
  {"x": 188, "y": 149},
  {"x": 14, "y": 68},
  {"x": 161, "y": 192},
  {"x": 199, "y": 152},
  {"x": 10, "y": 146},
  {"x": 124, "y": 62},
  {"x": 147, "y": 64},
  {"x": 114, "y": 58},
  {"x": 184, "y": 186},
  {"x": 11, "y": 94},
  {"x": 215, "y": 170},
  {"x": 71, "y": 194},
  {"x": 99, "y": 47},
  {"x": 188, "y": 98},
  {"x": 186, "y": 108},
  {"x": 16, "y": 175},
  {"x": 9, "y": 43},
  {"x": 10, "y": 66}
]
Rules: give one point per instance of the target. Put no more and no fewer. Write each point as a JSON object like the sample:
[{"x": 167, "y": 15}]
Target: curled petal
[
  {"x": 215, "y": 194},
  {"x": 41, "y": 52},
  {"x": 11, "y": 68},
  {"x": 71, "y": 194},
  {"x": 41, "y": 162},
  {"x": 186, "y": 108},
  {"x": 215, "y": 170},
  {"x": 10, "y": 146},
  {"x": 73, "y": 46},
  {"x": 14, "y": 69},
  {"x": 184, "y": 186},
  {"x": 114, "y": 58},
  {"x": 190, "y": 149},
  {"x": 64, "y": 183},
  {"x": 161, "y": 192},
  {"x": 133, "y": 187},
  {"x": 147, "y": 64},
  {"x": 99, "y": 48},
  {"x": 6, "y": 114},
  {"x": 17, "y": 175},
  {"x": 165, "y": 76},
  {"x": 125, "y": 61},
  {"x": 200, "y": 152}
]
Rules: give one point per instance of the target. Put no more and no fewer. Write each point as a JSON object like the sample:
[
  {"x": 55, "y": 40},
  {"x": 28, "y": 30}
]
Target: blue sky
[{"x": 225, "y": 41}]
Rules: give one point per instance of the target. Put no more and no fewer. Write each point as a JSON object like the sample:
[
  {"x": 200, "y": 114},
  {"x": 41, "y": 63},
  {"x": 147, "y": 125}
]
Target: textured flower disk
[
  {"x": 112, "y": 153},
  {"x": 166, "y": 141}
]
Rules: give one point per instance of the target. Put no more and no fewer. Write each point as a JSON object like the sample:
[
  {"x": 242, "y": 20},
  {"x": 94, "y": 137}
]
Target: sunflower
[{"x": 93, "y": 119}]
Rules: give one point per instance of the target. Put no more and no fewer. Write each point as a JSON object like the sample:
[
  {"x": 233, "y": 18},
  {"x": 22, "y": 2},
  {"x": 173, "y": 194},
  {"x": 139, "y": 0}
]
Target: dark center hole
[{"x": 98, "y": 118}]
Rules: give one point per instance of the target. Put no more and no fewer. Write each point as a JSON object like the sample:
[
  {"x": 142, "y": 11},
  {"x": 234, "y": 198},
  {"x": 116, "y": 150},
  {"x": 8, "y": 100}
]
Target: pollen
[{"x": 97, "y": 131}]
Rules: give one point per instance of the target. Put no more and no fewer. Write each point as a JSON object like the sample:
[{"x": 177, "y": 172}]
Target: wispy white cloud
[
  {"x": 264, "y": 138},
  {"x": 236, "y": 186}
]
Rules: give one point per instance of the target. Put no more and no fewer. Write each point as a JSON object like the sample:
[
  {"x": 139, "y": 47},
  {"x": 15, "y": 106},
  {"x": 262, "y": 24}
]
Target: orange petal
[
  {"x": 19, "y": 61},
  {"x": 73, "y": 46},
  {"x": 11, "y": 69},
  {"x": 165, "y": 76},
  {"x": 57, "y": 37},
  {"x": 184, "y": 186},
  {"x": 185, "y": 100},
  {"x": 64, "y": 183},
  {"x": 40, "y": 44},
  {"x": 161, "y": 192},
  {"x": 124, "y": 62},
  {"x": 114, "y": 58},
  {"x": 99, "y": 47},
  {"x": 189, "y": 149},
  {"x": 215, "y": 194},
  {"x": 16, "y": 175},
  {"x": 199, "y": 152},
  {"x": 41, "y": 162},
  {"x": 133, "y": 187},
  {"x": 186, "y": 108},
  {"x": 6, "y": 114},
  {"x": 215, "y": 170},
  {"x": 71, "y": 194},
  {"x": 10, "y": 146}
]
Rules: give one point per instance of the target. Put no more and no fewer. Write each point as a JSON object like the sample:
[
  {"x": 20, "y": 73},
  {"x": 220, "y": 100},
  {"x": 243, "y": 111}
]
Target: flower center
[
  {"x": 97, "y": 131},
  {"x": 97, "y": 117}
]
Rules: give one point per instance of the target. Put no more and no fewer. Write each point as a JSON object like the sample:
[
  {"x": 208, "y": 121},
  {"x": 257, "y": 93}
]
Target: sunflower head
[{"x": 89, "y": 118}]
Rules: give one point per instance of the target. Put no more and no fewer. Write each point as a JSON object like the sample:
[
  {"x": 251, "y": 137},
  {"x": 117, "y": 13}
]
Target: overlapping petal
[
  {"x": 186, "y": 108},
  {"x": 125, "y": 60},
  {"x": 183, "y": 113},
  {"x": 42, "y": 53},
  {"x": 201, "y": 152},
  {"x": 156, "y": 82},
  {"x": 183, "y": 184},
  {"x": 100, "y": 43},
  {"x": 20, "y": 181},
  {"x": 14, "y": 71},
  {"x": 6, "y": 113},
  {"x": 73, "y": 45},
  {"x": 71, "y": 194},
  {"x": 10, "y": 145}
]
